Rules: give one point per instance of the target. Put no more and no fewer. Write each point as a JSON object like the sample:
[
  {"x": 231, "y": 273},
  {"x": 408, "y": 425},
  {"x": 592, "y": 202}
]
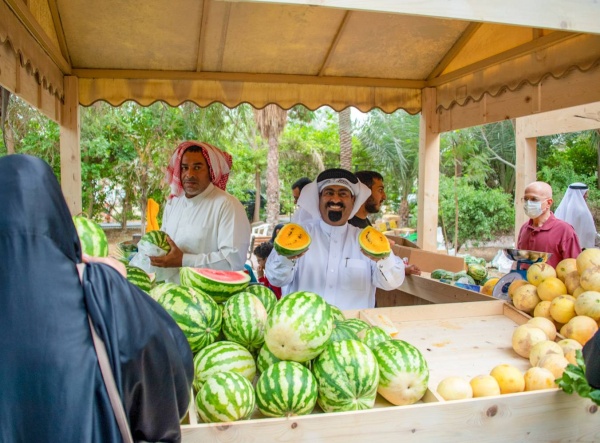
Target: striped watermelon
[
  {"x": 157, "y": 238},
  {"x": 342, "y": 331},
  {"x": 299, "y": 327},
  {"x": 91, "y": 236},
  {"x": 223, "y": 356},
  {"x": 198, "y": 315},
  {"x": 336, "y": 313},
  {"x": 373, "y": 336},
  {"x": 403, "y": 372},
  {"x": 159, "y": 289},
  {"x": 225, "y": 397},
  {"x": 286, "y": 388},
  {"x": 220, "y": 285},
  {"x": 266, "y": 295},
  {"x": 244, "y": 318},
  {"x": 139, "y": 278},
  {"x": 265, "y": 358},
  {"x": 357, "y": 324},
  {"x": 347, "y": 376}
]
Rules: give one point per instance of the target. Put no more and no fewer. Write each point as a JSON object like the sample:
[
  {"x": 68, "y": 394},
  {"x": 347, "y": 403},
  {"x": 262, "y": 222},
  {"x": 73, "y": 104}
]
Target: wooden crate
[{"x": 464, "y": 339}]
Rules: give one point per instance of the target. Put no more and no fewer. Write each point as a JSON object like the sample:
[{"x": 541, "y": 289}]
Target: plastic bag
[{"x": 502, "y": 262}]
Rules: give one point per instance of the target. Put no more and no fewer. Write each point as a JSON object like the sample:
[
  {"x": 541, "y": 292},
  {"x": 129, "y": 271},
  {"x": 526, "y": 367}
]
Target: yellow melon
[
  {"x": 590, "y": 279},
  {"x": 484, "y": 386},
  {"x": 542, "y": 309},
  {"x": 588, "y": 303},
  {"x": 568, "y": 344},
  {"x": 562, "y": 308},
  {"x": 543, "y": 348},
  {"x": 488, "y": 286},
  {"x": 554, "y": 363},
  {"x": 550, "y": 288},
  {"x": 524, "y": 337},
  {"x": 545, "y": 325},
  {"x": 516, "y": 284},
  {"x": 455, "y": 388},
  {"x": 509, "y": 378},
  {"x": 572, "y": 282},
  {"x": 538, "y": 378},
  {"x": 577, "y": 292},
  {"x": 580, "y": 328},
  {"x": 565, "y": 267},
  {"x": 538, "y": 272},
  {"x": 525, "y": 298},
  {"x": 587, "y": 259}
]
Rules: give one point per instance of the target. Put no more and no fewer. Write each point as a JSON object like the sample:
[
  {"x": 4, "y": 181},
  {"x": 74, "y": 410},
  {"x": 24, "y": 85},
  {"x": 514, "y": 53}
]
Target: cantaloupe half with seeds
[
  {"x": 291, "y": 240},
  {"x": 374, "y": 243}
]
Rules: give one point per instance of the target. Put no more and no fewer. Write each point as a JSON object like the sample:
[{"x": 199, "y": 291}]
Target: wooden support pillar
[
  {"x": 525, "y": 165},
  {"x": 429, "y": 172},
  {"x": 70, "y": 152}
]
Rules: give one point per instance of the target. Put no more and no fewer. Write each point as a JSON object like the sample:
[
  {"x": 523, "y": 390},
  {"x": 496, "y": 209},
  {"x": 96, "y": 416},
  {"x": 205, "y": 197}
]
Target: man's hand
[
  {"x": 412, "y": 270},
  {"x": 174, "y": 259}
]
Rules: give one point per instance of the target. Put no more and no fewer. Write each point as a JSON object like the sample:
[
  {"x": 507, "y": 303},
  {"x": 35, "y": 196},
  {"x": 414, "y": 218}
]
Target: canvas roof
[{"x": 316, "y": 53}]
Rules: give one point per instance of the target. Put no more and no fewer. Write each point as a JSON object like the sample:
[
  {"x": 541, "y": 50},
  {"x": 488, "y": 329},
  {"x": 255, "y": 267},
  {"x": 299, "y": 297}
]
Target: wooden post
[
  {"x": 429, "y": 172},
  {"x": 70, "y": 153},
  {"x": 525, "y": 165}
]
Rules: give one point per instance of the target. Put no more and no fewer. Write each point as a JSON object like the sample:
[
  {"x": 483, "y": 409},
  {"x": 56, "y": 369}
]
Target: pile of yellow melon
[{"x": 568, "y": 295}]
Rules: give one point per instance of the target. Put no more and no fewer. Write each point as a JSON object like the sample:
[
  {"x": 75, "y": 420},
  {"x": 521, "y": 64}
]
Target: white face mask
[{"x": 533, "y": 209}]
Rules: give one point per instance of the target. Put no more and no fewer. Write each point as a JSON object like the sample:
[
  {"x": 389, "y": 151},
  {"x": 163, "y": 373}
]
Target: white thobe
[
  {"x": 211, "y": 229},
  {"x": 335, "y": 268}
]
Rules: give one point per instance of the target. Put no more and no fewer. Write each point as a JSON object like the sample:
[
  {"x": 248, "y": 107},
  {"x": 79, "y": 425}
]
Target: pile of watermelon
[{"x": 255, "y": 356}]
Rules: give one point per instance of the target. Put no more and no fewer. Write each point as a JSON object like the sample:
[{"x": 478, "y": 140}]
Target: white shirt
[
  {"x": 211, "y": 229},
  {"x": 335, "y": 268}
]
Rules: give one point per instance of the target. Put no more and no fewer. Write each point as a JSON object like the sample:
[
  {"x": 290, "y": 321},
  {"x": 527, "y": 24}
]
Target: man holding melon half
[
  {"x": 544, "y": 232},
  {"x": 207, "y": 227},
  {"x": 324, "y": 256}
]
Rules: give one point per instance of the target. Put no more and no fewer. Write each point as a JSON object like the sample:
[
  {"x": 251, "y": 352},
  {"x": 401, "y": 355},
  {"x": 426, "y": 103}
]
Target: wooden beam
[
  {"x": 454, "y": 50},
  {"x": 573, "y": 15},
  {"x": 22, "y": 12},
  {"x": 574, "y": 119},
  {"x": 247, "y": 77},
  {"x": 519, "y": 51},
  {"x": 552, "y": 94},
  {"x": 429, "y": 172},
  {"x": 525, "y": 165},
  {"x": 336, "y": 40},
  {"x": 70, "y": 152},
  {"x": 60, "y": 32}
]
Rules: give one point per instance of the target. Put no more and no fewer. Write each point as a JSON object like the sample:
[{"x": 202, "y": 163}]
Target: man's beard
[
  {"x": 371, "y": 206},
  {"x": 334, "y": 216}
]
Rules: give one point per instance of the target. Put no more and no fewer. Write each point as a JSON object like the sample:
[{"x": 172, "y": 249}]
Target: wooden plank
[
  {"x": 465, "y": 339},
  {"x": 573, "y": 119},
  {"x": 70, "y": 153},
  {"x": 429, "y": 172},
  {"x": 575, "y": 15},
  {"x": 526, "y": 167}
]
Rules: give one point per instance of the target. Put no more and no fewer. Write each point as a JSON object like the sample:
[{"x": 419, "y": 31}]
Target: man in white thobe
[
  {"x": 207, "y": 227},
  {"x": 334, "y": 266}
]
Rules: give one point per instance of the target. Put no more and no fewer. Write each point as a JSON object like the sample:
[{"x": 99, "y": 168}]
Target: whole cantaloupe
[
  {"x": 587, "y": 259},
  {"x": 525, "y": 298},
  {"x": 538, "y": 272},
  {"x": 588, "y": 303},
  {"x": 590, "y": 279},
  {"x": 565, "y": 267}
]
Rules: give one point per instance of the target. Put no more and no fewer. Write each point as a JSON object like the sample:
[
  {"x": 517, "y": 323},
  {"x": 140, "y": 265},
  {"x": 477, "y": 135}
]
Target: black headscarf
[{"x": 51, "y": 387}]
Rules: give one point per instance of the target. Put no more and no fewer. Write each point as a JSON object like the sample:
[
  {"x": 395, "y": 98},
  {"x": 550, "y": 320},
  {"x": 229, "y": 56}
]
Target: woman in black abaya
[{"x": 51, "y": 388}]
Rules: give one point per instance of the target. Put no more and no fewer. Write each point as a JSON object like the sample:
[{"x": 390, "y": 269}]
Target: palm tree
[
  {"x": 392, "y": 141},
  {"x": 345, "y": 130},
  {"x": 271, "y": 121}
]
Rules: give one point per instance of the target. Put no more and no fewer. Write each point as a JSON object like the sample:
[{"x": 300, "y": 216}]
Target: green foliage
[
  {"x": 574, "y": 380},
  {"x": 483, "y": 213}
]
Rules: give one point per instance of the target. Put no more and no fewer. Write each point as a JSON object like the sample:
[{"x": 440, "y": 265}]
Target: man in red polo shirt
[{"x": 544, "y": 232}]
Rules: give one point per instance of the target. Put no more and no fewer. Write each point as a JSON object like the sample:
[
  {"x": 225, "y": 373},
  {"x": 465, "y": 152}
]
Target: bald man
[{"x": 544, "y": 232}]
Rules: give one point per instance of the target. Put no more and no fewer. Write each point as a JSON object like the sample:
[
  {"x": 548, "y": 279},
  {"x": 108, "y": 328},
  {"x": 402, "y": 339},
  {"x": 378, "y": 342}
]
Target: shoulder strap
[{"x": 107, "y": 375}]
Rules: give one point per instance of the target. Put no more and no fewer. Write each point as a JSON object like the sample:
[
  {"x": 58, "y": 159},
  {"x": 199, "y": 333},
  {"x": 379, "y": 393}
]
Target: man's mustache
[{"x": 341, "y": 205}]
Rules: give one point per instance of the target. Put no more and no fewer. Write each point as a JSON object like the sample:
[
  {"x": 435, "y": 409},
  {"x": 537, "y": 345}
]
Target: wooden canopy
[{"x": 459, "y": 63}]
